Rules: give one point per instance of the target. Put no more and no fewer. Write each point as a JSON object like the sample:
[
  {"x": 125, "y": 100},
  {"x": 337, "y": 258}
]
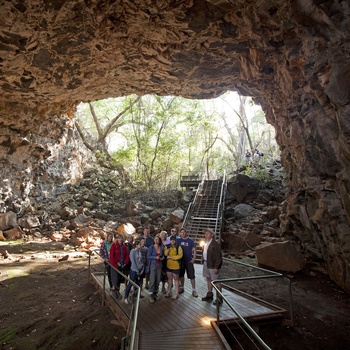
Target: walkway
[{"x": 182, "y": 323}]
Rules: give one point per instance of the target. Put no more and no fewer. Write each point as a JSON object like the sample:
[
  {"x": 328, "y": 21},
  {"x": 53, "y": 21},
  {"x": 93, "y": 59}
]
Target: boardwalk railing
[
  {"x": 254, "y": 274},
  {"x": 129, "y": 341}
]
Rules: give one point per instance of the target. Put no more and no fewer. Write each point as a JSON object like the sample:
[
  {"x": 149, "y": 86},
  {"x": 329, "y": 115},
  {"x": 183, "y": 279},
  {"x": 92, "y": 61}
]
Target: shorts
[
  {"x": 209, "y": 273},
  {"x": 189, "y": 268},
  {"x": 175, "y": 272}
]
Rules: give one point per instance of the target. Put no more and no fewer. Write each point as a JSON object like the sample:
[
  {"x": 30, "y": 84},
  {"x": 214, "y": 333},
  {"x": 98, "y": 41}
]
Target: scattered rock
[
  {"x": 283, "y": 256},
  {"x": 64, "y": 258},
  {"x": 242, "y": 211},
  {"x": 8, "y": 220}
]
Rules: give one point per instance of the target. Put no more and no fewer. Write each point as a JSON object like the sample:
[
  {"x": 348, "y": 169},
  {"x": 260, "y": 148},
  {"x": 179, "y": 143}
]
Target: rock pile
[
  {"x": 97, "y": 205},
  {"x": 253, "y": 210},
  {"x": 92, "y": 207}
]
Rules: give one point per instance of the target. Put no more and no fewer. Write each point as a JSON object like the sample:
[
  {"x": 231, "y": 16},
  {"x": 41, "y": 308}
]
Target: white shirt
[{"x": 205, "y": 251}]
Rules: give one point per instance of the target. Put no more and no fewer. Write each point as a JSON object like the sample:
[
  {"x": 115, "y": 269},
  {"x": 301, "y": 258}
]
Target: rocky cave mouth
[{"x": 292, "y": 56}]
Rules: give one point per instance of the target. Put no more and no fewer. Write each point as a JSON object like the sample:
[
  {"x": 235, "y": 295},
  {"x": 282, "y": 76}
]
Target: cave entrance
[{"x": 146, "y": 135}]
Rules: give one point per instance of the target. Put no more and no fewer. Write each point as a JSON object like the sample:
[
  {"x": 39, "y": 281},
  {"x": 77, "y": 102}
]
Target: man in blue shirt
[{"x": 189, "y": 256}]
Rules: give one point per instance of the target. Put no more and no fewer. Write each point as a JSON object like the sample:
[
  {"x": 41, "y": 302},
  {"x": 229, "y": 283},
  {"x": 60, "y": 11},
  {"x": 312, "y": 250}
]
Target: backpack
[{"x": 177, "y": 253}]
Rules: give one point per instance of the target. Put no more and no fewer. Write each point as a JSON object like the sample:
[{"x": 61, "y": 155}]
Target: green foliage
[
  {"x": 259, "y": 173},
  {"x": 158, "y": 138},
  {"x": 7, "y": 334}
]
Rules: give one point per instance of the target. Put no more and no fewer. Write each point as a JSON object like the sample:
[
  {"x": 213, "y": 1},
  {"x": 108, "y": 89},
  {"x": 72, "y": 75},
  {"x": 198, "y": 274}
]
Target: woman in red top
[{"x": 118, "y": 257}]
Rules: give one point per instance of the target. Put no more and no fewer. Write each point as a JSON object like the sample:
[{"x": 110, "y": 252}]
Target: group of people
[
  {"x": 160, "y": 260},
  {"x": 256, "y": 156}
]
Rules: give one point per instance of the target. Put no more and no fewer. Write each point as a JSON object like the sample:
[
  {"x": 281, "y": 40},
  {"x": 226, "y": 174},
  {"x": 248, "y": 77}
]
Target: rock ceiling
[{"x": 292, "y": 56}]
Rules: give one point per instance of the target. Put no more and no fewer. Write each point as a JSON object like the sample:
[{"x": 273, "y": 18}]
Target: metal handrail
[
  {"x": 220, "y": 205},
  {"x": 271, "y": 274},
  {"x": 135, "y": 306},
  {"x": 194, "y": 201}
]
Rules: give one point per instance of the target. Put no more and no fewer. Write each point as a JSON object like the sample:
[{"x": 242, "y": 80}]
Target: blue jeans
[{"x": 135, "y": 278}]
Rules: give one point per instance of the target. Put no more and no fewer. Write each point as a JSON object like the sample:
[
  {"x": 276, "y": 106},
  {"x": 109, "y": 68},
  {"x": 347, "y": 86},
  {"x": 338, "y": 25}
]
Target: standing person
[
  {"x": 212, "y": 261},
  {"x": 155, "y": 258},
  {"x": 189, "y": 257},
  {"x": 164, "y": 237},
  {"x": 148, "y": 243},
  {"x": 173, "y": 253},
  {"x": 119, "y": 256},
  {"x": 164, "y": 278},
  {"x": 143, "y": 250},
  {"x": 129, "y": 244},
  {"x": 104, "y": 253},
  {"x": 173, "y": 232},
  {"x": 136, "y": 269},
  {"x": 247, "y": 157},
  {"x": 147, "y": 237}
]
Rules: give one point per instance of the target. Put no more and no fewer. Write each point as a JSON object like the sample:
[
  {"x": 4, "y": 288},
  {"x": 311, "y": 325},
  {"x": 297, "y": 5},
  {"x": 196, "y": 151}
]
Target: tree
[
  {"x": 104, "y": 126},
  {"x": 151, "y": 140}
]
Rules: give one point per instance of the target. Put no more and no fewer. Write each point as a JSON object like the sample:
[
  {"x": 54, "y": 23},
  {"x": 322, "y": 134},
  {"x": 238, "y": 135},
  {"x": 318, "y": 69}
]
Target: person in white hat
[{"x": 212, "y": 262}]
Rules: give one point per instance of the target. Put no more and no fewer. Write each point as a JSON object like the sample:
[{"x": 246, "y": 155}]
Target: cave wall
[
  {"x": 35, "y": 168},
  {"x": 292, "y": 56}
]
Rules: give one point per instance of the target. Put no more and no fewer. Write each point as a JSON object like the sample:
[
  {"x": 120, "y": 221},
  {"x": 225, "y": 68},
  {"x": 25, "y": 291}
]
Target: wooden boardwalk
[{"x": 184, "y": 323}]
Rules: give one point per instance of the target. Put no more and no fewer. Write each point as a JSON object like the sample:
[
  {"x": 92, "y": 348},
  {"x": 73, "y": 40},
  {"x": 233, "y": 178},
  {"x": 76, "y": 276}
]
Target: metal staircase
[{"x": 206, "y": 211}]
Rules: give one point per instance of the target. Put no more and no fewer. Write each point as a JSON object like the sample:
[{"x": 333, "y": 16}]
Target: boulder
[
  {"x": 126, "y": 229},
  {"x": 14, "y": 233},
  {"x": 251, "y": 238},
  {"x": 67, "y": 213},
  {"x": 77, "y": 241},
  {"x": 242, "y": 185},
  {"x": 29, "y": 221},
  {"x": 284, "y": 256},
  {"x": 56, "y": 236},
  {"x": 155, "y": 214},
  {"x": 2, "y": 238},
  {"x": 80, "y": 221},
  {"x": 177, "y": 215},
  {"x": 132, "y": 207},
  {"x": 85, "y": 232},
  {"x": 243, "y": 210},
  {"x": 236, "y": 243},
  {"x": 8, "y": 220}
]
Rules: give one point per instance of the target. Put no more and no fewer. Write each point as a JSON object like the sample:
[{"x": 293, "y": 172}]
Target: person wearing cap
[
  {"x": 189, "y": 257},
  {"x": 173, "y": 253},
  {"x": 212, "y": 262}
]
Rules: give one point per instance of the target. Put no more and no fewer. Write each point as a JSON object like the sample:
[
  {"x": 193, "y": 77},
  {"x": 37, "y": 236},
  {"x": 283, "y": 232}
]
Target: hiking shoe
[
  {"x": 217, "y": 301},
  {"x": 208, "y": 297},
  {"x": 175, "y": 296},
  {"x": 167, "y": 295},
  {"x": 181, "y": 290},
  {"x": 195, "y": 294}
]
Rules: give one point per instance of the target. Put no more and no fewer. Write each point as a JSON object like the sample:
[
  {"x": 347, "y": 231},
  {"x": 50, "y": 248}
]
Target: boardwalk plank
[{"x": 183, "y": 323}]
